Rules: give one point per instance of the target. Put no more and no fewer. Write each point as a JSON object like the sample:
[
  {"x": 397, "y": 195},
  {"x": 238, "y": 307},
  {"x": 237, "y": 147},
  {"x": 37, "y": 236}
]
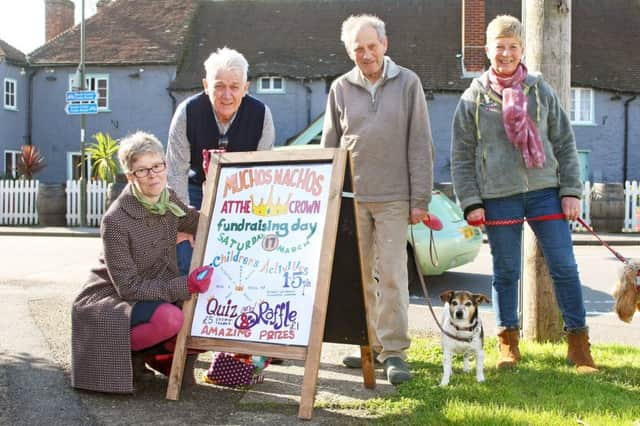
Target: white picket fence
[
  {"x": 96, "y": 202},
  {"x": 631, "y": 207},
  {"x": 18, "y": 202}
]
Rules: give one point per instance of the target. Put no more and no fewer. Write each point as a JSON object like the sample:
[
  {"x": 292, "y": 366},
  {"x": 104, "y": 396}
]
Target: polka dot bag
[{"x": 233, "y": 370}]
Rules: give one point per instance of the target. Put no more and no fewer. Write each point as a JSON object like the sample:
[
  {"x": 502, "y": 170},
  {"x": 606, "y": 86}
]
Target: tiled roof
[
  {"x": 125, "y": 32},
  {"x": 606, "y": 37},
  {"x": 11, "y": 54},
  {"x": 300, "y": 38}
]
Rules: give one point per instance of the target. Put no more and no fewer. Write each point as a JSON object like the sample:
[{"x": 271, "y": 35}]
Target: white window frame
[
  {"x": 577, "y": 113},
  {"x": 15, "y": 154},
  {"x": 270, "y": 89},
  {"x": 91, "y": 83},
  {"x": 70, "y": 163},
  {"x": 13, "y": 94}
]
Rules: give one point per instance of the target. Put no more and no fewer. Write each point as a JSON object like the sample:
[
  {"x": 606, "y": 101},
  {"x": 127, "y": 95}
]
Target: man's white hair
[
  {"x": 354, "y": 23},
  {"x": 228, "y": 60}
]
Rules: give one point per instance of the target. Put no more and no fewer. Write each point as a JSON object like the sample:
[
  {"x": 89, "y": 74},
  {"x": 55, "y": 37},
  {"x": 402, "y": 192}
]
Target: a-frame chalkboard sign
[{"x": 279, "y": 229}]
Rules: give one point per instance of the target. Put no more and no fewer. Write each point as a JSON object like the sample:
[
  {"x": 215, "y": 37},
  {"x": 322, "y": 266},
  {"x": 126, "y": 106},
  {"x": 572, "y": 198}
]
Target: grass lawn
[{"x": 542, "y": 390}]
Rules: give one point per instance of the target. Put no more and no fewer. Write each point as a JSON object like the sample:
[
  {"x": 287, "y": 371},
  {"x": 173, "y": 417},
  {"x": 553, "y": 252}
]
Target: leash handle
[{"x": 424, "y": 287}]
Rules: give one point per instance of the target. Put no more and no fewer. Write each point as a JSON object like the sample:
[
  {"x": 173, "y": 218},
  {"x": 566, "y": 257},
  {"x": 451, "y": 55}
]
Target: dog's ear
[
  {"x": 446, "y": 296},
  {"x": 479, "y": 298}
]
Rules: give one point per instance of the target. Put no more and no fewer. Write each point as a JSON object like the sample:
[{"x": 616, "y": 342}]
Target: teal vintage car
[{"x": 456, "y": 243}]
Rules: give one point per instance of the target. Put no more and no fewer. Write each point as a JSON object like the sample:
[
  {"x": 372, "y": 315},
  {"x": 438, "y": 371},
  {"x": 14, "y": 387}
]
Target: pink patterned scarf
[{"x": 521, "y": 129}]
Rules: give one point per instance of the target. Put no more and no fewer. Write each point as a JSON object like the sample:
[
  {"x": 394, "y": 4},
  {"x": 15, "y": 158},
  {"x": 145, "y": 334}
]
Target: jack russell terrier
[{"x": 463, "y": 331}]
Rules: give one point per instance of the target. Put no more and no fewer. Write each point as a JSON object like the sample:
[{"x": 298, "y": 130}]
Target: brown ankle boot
[
  {"x": 579, "y": 351},
  {"x": 508, "y": 351}
]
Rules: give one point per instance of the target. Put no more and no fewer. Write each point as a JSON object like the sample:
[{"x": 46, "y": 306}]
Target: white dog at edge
[{"x": 460, "y": 318}]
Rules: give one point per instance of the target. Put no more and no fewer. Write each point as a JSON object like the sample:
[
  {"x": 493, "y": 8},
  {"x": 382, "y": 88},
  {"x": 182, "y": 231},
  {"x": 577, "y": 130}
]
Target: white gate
[
  {"x": 96, "y": 202},
  {"x": 631, "y": 207}
]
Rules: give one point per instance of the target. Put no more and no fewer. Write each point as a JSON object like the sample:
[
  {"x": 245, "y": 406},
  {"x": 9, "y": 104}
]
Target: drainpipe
[
  {"x": 27, "y": 138},
  {"x": 625, "y": 155},
  {"x": 173, "y": 101},
  {"x": 309, "y": 91}
]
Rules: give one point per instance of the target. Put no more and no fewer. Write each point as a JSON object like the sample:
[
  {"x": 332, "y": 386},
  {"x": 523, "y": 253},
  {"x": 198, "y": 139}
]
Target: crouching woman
[{"x": 129, "y": 301}]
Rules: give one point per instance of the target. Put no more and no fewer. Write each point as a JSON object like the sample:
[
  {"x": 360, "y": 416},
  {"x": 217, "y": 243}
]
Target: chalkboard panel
[{"x": 346, "y": 319}]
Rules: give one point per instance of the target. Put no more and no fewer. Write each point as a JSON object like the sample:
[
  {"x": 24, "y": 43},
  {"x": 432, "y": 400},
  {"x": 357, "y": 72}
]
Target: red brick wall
[
  {"x": 59, "y": 16},
  {"x": 473, "y": 35}
]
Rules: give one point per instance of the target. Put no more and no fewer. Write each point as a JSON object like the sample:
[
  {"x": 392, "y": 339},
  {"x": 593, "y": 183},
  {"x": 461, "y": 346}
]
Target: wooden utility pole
[{"x": 547, "y": 50}]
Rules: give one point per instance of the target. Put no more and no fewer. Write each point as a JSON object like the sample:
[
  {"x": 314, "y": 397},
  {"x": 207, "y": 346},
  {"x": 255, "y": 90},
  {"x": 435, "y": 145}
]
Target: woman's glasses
[{"x": 156, "y": 168}]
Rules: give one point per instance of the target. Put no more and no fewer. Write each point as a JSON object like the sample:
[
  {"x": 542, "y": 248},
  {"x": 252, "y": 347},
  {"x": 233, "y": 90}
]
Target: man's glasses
[{"x": 156, "y": 168}]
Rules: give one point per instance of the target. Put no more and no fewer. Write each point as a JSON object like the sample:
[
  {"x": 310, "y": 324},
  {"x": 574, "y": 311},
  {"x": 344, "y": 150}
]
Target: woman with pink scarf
[{"x": 513, "y": 156}]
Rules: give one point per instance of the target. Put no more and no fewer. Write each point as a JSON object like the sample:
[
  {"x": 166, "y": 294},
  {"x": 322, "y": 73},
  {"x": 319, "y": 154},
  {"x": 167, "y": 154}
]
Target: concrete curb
[{"x": 49, "y": 231}]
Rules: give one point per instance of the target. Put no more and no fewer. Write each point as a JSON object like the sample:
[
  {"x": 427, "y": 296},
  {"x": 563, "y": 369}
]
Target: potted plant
[
  {"x": 30, "y": 162},
  {"x": 105, "y": 166},
  {"x": 51, "y": 198},
  {"x": 103, "y": 161}
]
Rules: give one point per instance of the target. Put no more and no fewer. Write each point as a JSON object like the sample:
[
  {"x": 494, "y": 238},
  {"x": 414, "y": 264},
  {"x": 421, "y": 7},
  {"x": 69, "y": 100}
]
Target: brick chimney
[
  {"x": 59, "y": 16},
  {"x": 473, "y": 36}
]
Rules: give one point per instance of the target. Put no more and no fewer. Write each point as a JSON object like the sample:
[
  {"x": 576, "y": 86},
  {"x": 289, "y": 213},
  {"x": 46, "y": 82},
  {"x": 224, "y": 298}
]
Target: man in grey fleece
[{"x": 379, "y": 113}]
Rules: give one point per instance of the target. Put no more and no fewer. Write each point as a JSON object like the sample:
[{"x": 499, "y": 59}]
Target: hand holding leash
[
  {"x": 431, "y": 221},
  {"x": 199, "y": 279}
]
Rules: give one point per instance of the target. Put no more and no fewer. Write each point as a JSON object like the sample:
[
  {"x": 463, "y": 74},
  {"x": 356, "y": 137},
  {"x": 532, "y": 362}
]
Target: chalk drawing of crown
[{"x": 269, "y": 209}]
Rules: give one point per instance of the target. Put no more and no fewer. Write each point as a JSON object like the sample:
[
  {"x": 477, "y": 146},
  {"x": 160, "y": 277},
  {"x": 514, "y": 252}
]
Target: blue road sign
[
  {"x": 82, "y": 95},
  {"x": 77, "y": 109}
]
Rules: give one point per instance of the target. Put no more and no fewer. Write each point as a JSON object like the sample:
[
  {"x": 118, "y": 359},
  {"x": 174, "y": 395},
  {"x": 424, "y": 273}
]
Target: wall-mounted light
[
  {"x": 136, "y": 74},
  {"x": 23, "y": 71},
  {"x": 429, "y": 95}
]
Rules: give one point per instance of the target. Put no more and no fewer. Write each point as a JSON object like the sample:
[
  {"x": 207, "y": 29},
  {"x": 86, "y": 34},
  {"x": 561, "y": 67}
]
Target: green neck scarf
[{"x": 161, "y": 206}]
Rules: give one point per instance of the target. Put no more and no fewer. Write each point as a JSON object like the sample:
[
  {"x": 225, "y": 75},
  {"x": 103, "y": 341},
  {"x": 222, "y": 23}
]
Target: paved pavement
[{"x": 35, "y": 360}]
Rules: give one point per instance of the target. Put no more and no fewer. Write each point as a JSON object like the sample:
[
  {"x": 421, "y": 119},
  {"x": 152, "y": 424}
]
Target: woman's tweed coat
[{"x": 138, "y": 263}]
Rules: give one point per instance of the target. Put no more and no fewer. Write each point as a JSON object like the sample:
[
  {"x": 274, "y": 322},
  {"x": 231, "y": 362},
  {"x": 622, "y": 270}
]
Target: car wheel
[{"x": 415, "y": 288}]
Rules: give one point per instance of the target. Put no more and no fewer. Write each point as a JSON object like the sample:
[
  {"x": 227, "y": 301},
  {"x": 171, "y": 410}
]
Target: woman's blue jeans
[{"x": 554, "y": 238}]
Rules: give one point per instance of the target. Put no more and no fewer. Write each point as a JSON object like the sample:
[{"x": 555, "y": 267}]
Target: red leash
[{"x": 555, "y": 216}]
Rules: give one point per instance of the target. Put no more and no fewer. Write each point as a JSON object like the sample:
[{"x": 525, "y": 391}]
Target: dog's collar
[{"x": 473, "y": 325}]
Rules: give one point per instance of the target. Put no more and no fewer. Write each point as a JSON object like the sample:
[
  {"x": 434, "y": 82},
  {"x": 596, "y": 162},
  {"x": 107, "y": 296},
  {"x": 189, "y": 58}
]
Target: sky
[{"x": 22, "y": 21}]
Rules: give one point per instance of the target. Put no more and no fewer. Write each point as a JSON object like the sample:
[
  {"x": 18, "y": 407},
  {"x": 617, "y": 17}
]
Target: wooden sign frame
[{"x": 310, "y": 353}]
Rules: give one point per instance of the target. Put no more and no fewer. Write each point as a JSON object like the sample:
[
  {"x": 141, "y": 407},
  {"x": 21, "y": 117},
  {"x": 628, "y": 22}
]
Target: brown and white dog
[
  {"x": 460, "y": 318},
  {"x": 627, "y": 291}
]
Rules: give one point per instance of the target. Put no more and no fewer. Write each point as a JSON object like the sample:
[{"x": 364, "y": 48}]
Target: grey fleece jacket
[
  {"x": 485, "y": 164},
  {"x": 389, "y": 136}
]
